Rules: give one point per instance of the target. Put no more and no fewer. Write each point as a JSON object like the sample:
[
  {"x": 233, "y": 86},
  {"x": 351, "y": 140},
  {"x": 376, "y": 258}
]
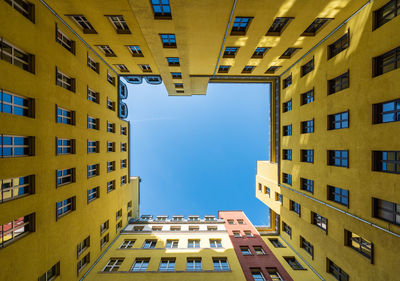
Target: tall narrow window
[
  {"x": 386, "y": 161},
  {"x": 66, "y": 206},
  {"x": 386, "y": 210},
  {"x": 307, "y": 126},
  {"x": 287, "y": 130},
  {"x": 307, "y": 246},
  {"x": 65, "y": 176},
  {"x": 92, "y": 64},
  {"x": 338, "y": 120},
  {"x": 52, "y": 273},
  {"x": 295, "y": 207},
  {"x": 110, "y": 104},
  {"x": 387, "y": 62},
  {"x": 110, "y": 79},
  {"x": 93, "y": 194},
  {"x": 15, "y": 229},
  {"x": 16, "y": 56},
  {"x": 386, "y": 13},
  {"x": 93, "y": 123},
  {"x": 307, "y": 67},
  {"x": 14, "y": 188},
  {"x": 286, "y": 154},
  {"x": 110, "y": 166},
  {"x": 307, "y": 155},
  {"x": 287, "y": 81},
  {"x": 64, "y": 40},
  {"x": 83, "y": 262},
  {"x": 65, "y": 81},
  {"x": 161, "y": 9},
  {"x": 315, "y": 26},
  {"x": 336, "y": 271},
  {"x": 287, "y": 106},
  {"x": 110, "y": 127},
  {"x": 278, "y": 26},
  {"x": 24, "y": 7},
  {"x": 307, "y": 185},
  {"x": 338, "y": 195},
  {"x": 93, "y": 146},
  {"x": 106, "y": 50},
  {"x": 168, "y": 40},
  {"x": 83, "y": 246},
  {"x": 307, "y": 97},
  {"x": 16, "y": 146},
  {"x": 83, "y": 23},
  {"x": 287, "y": 178},
  {"x": 16, "y": 105},
  {"x": 93, "y": 96},
  {"x": 338, "y": 46},
  {"x": 338, "y": 158},
  {"x": 319, "y": 221},
  {"x": 123, "y": 180},
  {"x": 123, "y": 163},
  {"x": 110, "y": 146},
  {"x": 338, "y": 83},
  {"x": 240, "y": 25},
  {"x": 119, "y": 24},
  {"x": 110, "y": 186},
  {"x": 287, "y": 229}
]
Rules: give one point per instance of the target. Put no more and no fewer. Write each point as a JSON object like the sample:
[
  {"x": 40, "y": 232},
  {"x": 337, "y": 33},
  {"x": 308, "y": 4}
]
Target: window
[
  {"x": 16, "y": 56},
  {"x": 173, "y": 62},
  {"x": 240, "y": 25},
  {"x": 319, "y": 221},
  {"x": 215, "y": 243},
  {"x": 93, "y": 170},
  {"x": 65, "y": 116},
  {"x": 386, "y": 161},
  {"x": 138, "y": 228},
  {"x": 177, "y": 218},
  {"x": 176, "y": 75},
  {"x": 336, "y": 271},
  {"x": 278, "y": 26},
  {"x": 307, "y": 155},
  {"x": 386, "y": 210},
  {"x": 287, "y": 154},
  {"x": 129, "y": 205},
  {"x": 167, "y": 264},
  {"x": 178, "y": 85},
  {"x": 118, "y": 226},
  {"x": 276, "y": 243},
  {"x": 339, "y": 83},
  {"x": 307, "y": 126},
  {"x": 92, "y": 64},
  {"x": 83, "y": 23},
  {"x": 259, "y": 52},
  {"x": 135, "y": 51},
  {"x": 156, "y": 228},
  {"x": 161, "y": 9},
  {"x": 82, "y": 246},
  {"x": 287, "y": 106},
  {"x": 287, "y": 130},
  {"x": 13, "y": 188},
  {"x": 65, "y": 146},
  {"x": 338, "y": 46},
  {"x": 15, "y": 229},
  {"x": 123, "y": 180},
  {"x": 338, "y": 195},
  {"x": 110, "y": 127},
  {"x": 307, "y": 68},
  {"x": 110, "y": 166},
  {"x": 338, "y": 158},
  {"x": 193, "y": 264},
  {"x": 294, "y": 264},
  {"x": 287, "y": 81},
  {"x": 304, "y": 244},
  {"x": 267, "y": 190},
  {"x": 93, "y": 96},
  {"x": 257, "y": 274},
  {"x": 386, "y": 13},
  {"x": 16, "y": 146},
  {"x": 64, "y": 41},
  {"x": 274, "y": 274},
  {"x": 140, "y": 264},
  {"x": 123, "y": 163},
  {"x": 110, "y": 79},
  {"x": 104, "y": 240},
  {"x": 230, "y": 52},
  {"x": 145, "y": 68},
  {"x": 230, "y": 222},
  {"x": 289, "y": 53},
  {"x": 168, "y": 40},
  {"x": 240, "y": 221},
  {"x": 272, "y": 69},
  {"x": 93, "y": 193},
  {"x": 123, "y": 130},
  {"x": 248, "y": 233},
  {"x": 307, "y": 97},
  {"x": 224, "y": 68},
  {"x": 113, "y": 264},
  {"x": 307, "y": 185},
  {"x": 129, "y": 214},
  {"x": 104, "y": 227},
  {"x": 119, "y": 24},
  {"x": 193, "y": 243},
  {"x": 66, "y": 206},
  {"x": 172, "y": 244},
  {"x": 52, "y": 273},
  {"x": 245, "y": 251},
  {"x": 110, "y": 186},
  {"x": 248, "y": 69},
  {"x": 387, "y": 62},
  {"x": 26, "y": 8},
  {"x": 149, "y": 244},
  {"x": 279, "y": 197},
  {"x": 93, "y": 146},
  {"x": 106, "y": 50},
  {"x": 315, "y": 26},
  {"x": 17, "y": 105},
  {"x": 122, "y": 67},
  {"x": 287, "y": 229},
  {"x": 211, "y": 228},
  {"x": 220, "y": 264},
  {"x": 386, "y": 112},
  {"x": 360, "y": 244},
  {"x": 338, "y": 121},
  {"x": 65, "y": 176},
  {"x": 180, "y": 91},
  {"x": 259, "y": 250},
  {"x": 287, "y": 178},
  {"x": 83, "y": 262},
  {"x": 65, "y": 81},
  {"x": 118, "y": 214},
  {"x": 236, "y": 234},
  {"x": 295, "y": 207},
  {"x": 127, "y": 244},
  {"x": 175, "y": 228},
  {"x": 110, "y": 146}
]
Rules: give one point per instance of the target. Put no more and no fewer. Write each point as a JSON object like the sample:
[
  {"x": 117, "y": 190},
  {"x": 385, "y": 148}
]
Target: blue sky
[{"x": 197, "y": 155}]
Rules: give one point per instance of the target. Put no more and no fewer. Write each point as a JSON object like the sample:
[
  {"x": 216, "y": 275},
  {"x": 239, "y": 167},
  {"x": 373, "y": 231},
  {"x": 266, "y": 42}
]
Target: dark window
[
  {"x": 119, "y": 23},
  {"x": 259, "y": 53},
  {"x": 295, "y": 207},
  {"x": 336, "y": 271},
  {"x": 287, "y": 178},
  {"x": 272, "y": 69},
  {"x": 15, "y": 104},
  {"x": 230, "y": 52},
  {"x": 307, "y": 246},
  {"x": 287, "y": 154},
  {"x": 307, "y": 68},
  {"x": 52, "y": 273},
  {"x": 224, "y": 68},
  {"x": 386, "y": 13},
  {"x": 307, "y": 97},
  {"x": 83, "y": 23},
  {"x": 307, "y": 155},
  {"x": 276, "y": 243},
  {"x": 178, "y": 85},
  {"x": 289, "y": 53},
  {"x": 338, "y": 195},
  {"x": 386, "y": 161},
  {"x": 287, "y": 106},
  {"x": 315, "y": 26},
  {"x": 338, "y": 120},
  {"x": 287, "y": 229},
  {"x": 338, "y": 83},
  {"x": 168, "y": 40},
  {"x": 338, "y": 46},
  {"x": 240, "y": 25},
  {"x": 319, "y": 221},
  {"x": 16, "y": 56},
  {"x": 278, "y": 26},
  {"x": 176, "y": 75},
  {"x": 387, "y": 62},
  {"x": 161, "y": 9},
  {"x": 294, "y": 264},
  {"x": 248, "y": 69},
  {"x": 307, "y": 126},
  {"x": 287, "y": 81},
  {"x": 386, "y": 210},
  {"x": 338, "y": 158},
  {"x": 107, "y": 51},
  {"x": 287, "y": 130},
  {"x": 173, "y": 62},
  {"x": 358, "y": 243},
  {"x": 387, "y": 112},
  {"x": 26, "y": 8},
  {"x": 307, "y": 185}
]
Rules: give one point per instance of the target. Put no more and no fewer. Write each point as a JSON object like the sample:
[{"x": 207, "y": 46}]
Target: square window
[{"x": 240, "y": 25}]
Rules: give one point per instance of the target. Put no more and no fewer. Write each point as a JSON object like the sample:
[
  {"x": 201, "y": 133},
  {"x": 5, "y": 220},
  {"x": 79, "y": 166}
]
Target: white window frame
[
  {"x": 145, "y": 67},
  {"x": 193, "y": 243},
  {"x": 248, "y": 233},
  {"x": 144, "y": 264},
  {"x": 92, "y": 95},
  {"x": 259, "y": 250},
  {"x": 13, "y": 146},
  {"x": 221, "y": 263},
  {"x": 69, "y": 175},
  {"x": 68, "y": 118},
  {"x": 106, "y": 50},
  {"x": 83, "y": 262},
  {"x": 82, "y": 246},
  {"x": 170, "y": 264},
  {"x": 14, "y": 188},
  {"x": 92, "y": 146},
  {"x": 103, "y": 227},
  {"x": 127, "y": 244},
  {"x": 92, "y": 123},
  {"x": 64, "y": 81},
  {"x": 172, "y": 244},
  {"x": 124, "y": 163},
  {"x": 67, "y": 148},
  {"x": 91, "y": 63},
  {"x": 135, "y": 49},
  {"x": 16, "y": 228},
  {"x": 123, "y": 130},
  {"x": 18, "y": 7},
  {"x": 123, "y": 180},
  {"x": 119, "y": 23},
  {"x": 110, "y": 104},
  {"x": 113, "y": 263},
  {"x": 215, "y": 243},
  {"x": 236, "y": 234},
  {"x": 151, "y": 244},
  {"x": 64, "y": 40},
  {"x": 104, "y": 240},
  {"x": 192, "y": 263},
  {"x": 68, "y": 204},
  {"x": 82, "y": 21},
  {"x": 245, "y": 250},
  {"x": 12, "y": 104},
  {"x": 110, "y": 78},
  {"x": 93, "y": 192},
  {"x": 110, "y": 166},
  {"x": 122, "y": 67},
  {"x": 110, "y": 186},
  {"x": 110, "y": 127}
]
